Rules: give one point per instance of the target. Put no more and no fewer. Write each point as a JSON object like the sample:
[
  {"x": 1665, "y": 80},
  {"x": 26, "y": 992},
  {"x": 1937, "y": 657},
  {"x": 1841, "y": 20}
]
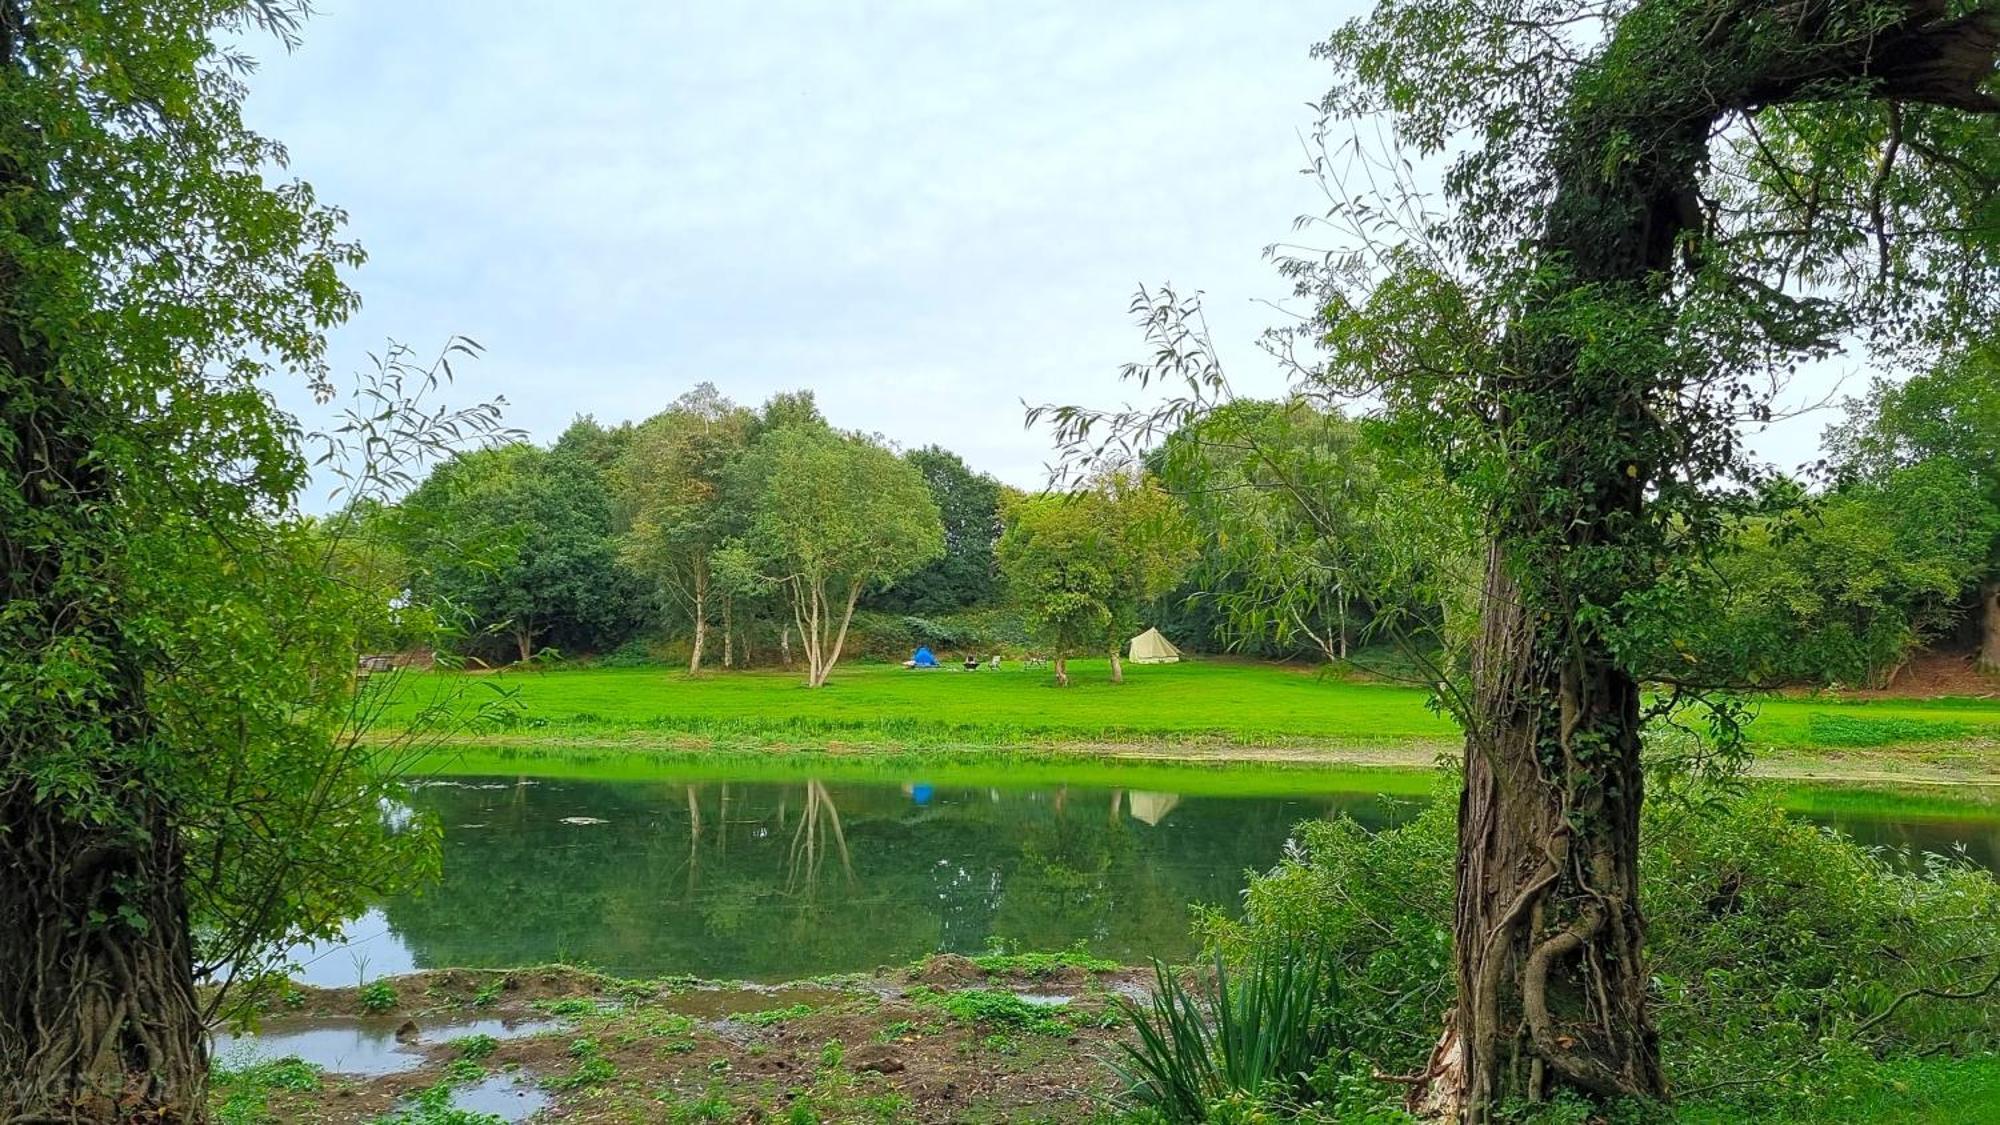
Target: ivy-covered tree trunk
[
  {"x": 1552, "y": 982},
  {"x": 98, "y": 1020}
]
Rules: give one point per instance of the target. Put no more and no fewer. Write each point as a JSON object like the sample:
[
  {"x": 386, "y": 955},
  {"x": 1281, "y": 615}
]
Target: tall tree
[
  {"x": 673, "y": 479},
  {"x": 1149, "y": 545},
  {"x": 1656, "y": 208},
  {"x": 176, "y": 651},
  {"x": 966, "y": 575},
  {"x": 1950, "y": 416},
  {"x": 1059, "y": 570},
  {"x": 831, "y": 516},
  {"x": 1659, "y": 202},
  {"x": 1086, "y": 564}
]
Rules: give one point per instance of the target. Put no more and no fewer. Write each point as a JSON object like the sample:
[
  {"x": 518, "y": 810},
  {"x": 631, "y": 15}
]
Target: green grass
[
  {"x": 1226, "y": 702},
  {"x": 1239, "y": 702}
]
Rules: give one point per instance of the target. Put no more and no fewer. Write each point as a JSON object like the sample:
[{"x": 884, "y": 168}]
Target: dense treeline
[{"x": 718, "y": 534}]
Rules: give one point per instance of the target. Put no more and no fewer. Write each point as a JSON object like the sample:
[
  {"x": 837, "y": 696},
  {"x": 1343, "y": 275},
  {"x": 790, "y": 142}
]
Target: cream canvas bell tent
[{"x": 1150, "y": 647}]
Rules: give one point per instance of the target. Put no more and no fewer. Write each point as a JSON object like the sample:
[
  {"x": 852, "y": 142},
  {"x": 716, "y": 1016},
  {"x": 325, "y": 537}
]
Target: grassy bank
[{"x": 1207, "y": 710}]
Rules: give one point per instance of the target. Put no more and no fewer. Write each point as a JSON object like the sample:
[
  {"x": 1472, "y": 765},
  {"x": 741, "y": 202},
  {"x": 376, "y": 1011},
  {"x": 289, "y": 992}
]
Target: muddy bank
[{"x": 951, "y": 1039}]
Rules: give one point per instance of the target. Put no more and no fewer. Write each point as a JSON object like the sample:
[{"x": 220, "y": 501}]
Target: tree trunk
[
  {"x": 700, "y": 618},
  {"x": 1989, "y": 627},
  {"x": 524, "y": 644},
  {"x": 1551, "y": 977},
  {"x": 1117, "y": 668},
  {"x": 728, "y": 634},
  {"x": 1548, "y": 932},
  {"x": 1062, "y": 670},
  {"x": 1343, "y": 624},
  {"x": 98, "y": 1019},
  {"x": 785, "y": 645},
  {"x": 832, "y": 654},
  {"x": 98, "y": 1016}
]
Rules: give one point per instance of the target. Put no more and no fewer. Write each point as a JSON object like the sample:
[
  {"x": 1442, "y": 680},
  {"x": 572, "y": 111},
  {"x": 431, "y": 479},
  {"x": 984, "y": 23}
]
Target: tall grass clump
[{"x": 1266, "y": 1037}]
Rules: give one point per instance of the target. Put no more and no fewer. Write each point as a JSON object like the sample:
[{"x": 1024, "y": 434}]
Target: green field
[{"x": 1238, "y": 704}]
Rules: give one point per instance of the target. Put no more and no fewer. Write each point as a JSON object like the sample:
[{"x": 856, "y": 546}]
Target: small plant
[
  {"x": 378, "y": 997},
  {"x": 1261, "y": 1037},
  {"x": 983, "y": 1006},
  {"x": 488, "y": 994},
  {"x": 712, "y": 1107},
  {"x": 592, "y": 1068},
  {"x": 244, "y": 1093},
  {"x": 1002, "y": 960},
  {"x": 475, "y": 1047},
  {"x": 832, "y": 1055},
  {"x": 570, "y": 1007},
  {"x": 434, "y": 1107}
]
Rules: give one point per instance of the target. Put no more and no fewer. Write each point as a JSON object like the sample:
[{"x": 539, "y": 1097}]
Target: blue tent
[{"x": 923, "y": 659}]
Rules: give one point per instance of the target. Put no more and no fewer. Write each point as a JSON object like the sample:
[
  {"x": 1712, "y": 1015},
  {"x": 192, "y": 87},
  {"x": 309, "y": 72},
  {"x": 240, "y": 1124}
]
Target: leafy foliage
[
  {"x": 1782, "y": 952},
  {"x": 1084, "y": 565},
  {"x": 517, "y": 541},
  {"x": 1265, "y": 1037}
]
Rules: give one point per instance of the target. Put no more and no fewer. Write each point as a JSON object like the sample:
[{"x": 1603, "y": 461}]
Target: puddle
[
  {"x": 507, "y": 1097},
  {"x": 357, "y": 1046},
  {"x": 1043, "y": 999}
]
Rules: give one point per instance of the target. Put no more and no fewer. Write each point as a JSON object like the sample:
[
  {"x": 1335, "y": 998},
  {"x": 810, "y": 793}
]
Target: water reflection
[{"x": 769, "y": 881}]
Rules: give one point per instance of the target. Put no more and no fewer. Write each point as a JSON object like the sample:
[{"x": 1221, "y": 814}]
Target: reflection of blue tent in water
[{"x": 922, "y": 658}]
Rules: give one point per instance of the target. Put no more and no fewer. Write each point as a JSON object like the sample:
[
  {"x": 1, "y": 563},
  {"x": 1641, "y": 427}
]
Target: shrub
[
  {"x": 1778, "y": 948},
  {"x": 1225, "y": 1046},
  {"x": 378, "y": 997}
]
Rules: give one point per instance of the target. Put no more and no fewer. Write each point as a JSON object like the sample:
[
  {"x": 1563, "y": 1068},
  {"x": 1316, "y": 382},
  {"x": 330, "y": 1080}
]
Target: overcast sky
[{"x": 924, "y": 212}]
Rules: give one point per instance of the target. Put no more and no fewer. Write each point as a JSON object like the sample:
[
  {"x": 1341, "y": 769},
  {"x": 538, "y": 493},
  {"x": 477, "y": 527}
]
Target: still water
[{"x": 774, "y": 881}]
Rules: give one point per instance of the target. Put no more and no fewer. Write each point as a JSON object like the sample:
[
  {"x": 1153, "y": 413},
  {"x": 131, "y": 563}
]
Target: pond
[{"x": 772, "y": 880}]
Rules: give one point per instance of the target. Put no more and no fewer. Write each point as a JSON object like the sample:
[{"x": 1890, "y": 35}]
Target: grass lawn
[
  {"x": 1244, "y": 703},
  {"x": 1221, "y": 704}
]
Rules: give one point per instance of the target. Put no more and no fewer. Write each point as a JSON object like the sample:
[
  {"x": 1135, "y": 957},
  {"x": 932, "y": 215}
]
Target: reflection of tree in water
[
  {"x": 817, "y": 819},
  {"x": 693, "y": 878}
]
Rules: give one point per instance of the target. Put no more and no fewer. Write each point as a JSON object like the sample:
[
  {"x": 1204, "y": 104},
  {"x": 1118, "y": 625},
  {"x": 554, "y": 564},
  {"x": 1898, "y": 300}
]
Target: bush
[
  {"x": 1265, "y": 1038},
  {"x": 1783, "y": 953}
]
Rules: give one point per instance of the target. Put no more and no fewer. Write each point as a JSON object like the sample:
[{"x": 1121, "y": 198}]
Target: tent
[
  {"x": 1150, "y": 647},
  {"x": 922, "y": 658}
]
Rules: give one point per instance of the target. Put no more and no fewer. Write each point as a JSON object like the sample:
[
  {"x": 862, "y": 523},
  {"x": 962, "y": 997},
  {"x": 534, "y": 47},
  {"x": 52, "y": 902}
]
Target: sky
[{"x": 926, "y": 213}]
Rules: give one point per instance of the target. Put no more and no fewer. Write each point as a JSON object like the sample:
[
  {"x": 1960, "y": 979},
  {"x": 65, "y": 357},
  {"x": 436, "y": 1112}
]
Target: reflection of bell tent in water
[
  {"x": 1151, "y": 807},
  {"x": 1150, "y": 647}
]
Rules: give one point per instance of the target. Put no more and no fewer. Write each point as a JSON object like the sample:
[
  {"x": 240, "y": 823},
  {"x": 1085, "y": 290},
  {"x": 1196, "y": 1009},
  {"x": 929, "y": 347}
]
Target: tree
[
  {"x": 1312, "y": 530},
  {"x": 1656, "y": 208},
  {"x": 1658, "y": 203},
  {"x": 179, "y": 776},
  {"x": 1084, "y": 565},
  {"x": 1949, "y": 415},
  {"x": 966, "y": 575},
  {"x": 518, "y": 541},
  {"x": 832, "y": 515},
  {"x": 1149, "y": 545},
  {"x": 673, "y": 478},
  {"x": 1058, "y": 566},
  {"x": 1839, "y": 589}
]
